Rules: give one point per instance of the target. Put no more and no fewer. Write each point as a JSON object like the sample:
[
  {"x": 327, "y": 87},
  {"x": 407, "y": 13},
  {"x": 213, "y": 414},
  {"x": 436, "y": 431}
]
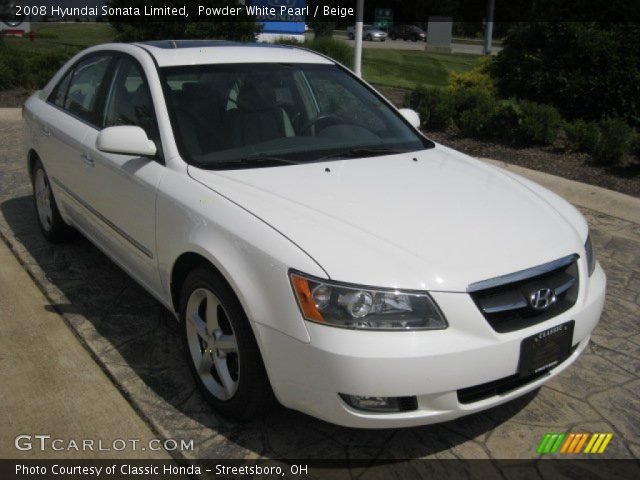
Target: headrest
[{"x": 253, "y": 98}]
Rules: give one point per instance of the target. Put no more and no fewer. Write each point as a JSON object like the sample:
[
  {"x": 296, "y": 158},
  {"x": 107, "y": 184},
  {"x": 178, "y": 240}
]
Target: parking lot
[{"x": 136, "y": 341}]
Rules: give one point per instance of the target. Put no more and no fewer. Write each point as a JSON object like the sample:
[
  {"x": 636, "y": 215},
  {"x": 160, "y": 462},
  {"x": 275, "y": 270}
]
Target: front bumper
[{"x": 431, "y": 365}]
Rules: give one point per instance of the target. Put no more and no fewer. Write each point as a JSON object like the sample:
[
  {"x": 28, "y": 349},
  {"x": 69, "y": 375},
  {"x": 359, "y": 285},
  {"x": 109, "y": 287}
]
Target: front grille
[
  {"x": 502, "y": 385},
  {"x": 506, "y": 304}
]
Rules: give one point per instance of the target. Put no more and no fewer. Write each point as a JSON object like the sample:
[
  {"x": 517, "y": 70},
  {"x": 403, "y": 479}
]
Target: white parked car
[{"x": 311, "y": 241}]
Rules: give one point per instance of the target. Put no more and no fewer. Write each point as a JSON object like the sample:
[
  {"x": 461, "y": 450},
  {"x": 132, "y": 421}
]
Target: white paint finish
[
  {"x": 126, "y": 140},
  {"x": 411, "y": 116},
  {"x": 233, "y": 53},
  {"x": 431, "y": 365},
  {"x": 123, "y": 189},
  {"x": 439, "y": 223},
  {"x": 252, "y": 255}
]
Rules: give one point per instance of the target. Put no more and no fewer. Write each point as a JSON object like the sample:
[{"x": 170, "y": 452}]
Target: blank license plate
[{"x": 546, "y": 349}]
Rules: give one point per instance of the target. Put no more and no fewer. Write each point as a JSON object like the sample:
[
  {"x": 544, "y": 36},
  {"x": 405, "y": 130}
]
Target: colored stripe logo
[{"x": 571, "y": 443}]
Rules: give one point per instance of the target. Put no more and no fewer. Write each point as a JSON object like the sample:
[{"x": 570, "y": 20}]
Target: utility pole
[
  {"x": 488, "y": 27},
  {"x": 358, "y": 37}
]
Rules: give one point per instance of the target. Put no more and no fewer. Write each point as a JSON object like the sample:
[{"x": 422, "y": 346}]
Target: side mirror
[
  {"x": 411, "y": 116},
  {"x": 125, "y": 140}
]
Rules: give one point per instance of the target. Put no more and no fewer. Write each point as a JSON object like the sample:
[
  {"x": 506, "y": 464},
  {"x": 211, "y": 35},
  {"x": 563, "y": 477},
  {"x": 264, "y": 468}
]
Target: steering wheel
[{"x": 318, "y": 119}]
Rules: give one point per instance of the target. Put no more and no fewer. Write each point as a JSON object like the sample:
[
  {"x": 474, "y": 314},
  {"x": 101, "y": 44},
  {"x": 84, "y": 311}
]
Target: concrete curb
[
  {"x": 595, "y": 198},
  {"x": 10, "y": 114}
]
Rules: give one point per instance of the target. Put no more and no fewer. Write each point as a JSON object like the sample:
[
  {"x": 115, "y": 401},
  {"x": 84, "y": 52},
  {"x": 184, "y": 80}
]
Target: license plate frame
[{"x": 545, "y": 350}]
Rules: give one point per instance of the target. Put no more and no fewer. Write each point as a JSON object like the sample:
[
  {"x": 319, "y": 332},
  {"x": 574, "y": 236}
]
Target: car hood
[{"x": 434, "y": 219}]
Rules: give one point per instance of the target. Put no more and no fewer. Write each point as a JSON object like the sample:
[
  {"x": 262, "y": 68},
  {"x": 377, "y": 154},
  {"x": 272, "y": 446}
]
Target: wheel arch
[
  {"x": 185, "y": 264},
  {"x": 32, "y": 156}
]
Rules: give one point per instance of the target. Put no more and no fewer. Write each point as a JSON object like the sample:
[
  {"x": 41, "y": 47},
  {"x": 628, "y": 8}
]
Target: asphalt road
[
  {"x": 473, "y": 49},
  {"x": 136, "y": 342}
]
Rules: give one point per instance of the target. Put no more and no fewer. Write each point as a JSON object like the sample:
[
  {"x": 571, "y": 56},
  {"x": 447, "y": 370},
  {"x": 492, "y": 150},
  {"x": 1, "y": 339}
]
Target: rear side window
[
  {"x": 59, "y": 94},
  {"x": 84, "y": 89}
]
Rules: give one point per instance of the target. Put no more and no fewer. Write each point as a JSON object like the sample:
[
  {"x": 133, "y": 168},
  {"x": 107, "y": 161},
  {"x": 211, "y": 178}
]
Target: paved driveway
[{"x": 136, "y": 341}]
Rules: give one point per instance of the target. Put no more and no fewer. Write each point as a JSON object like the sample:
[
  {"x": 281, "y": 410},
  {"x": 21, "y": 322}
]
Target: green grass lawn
[
  {"x": 63, "y": 35},
  {"x": 395, "y": 68},
  {"x": 408, "y": 68}
]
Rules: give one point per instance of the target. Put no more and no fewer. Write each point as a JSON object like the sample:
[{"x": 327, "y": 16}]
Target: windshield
[{"x": 253, "y": 115}]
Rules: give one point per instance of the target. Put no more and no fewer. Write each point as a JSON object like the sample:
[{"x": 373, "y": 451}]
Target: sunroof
[{"x": 171, "y": 44}]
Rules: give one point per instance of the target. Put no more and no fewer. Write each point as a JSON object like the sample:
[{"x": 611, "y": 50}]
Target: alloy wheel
[
  {"x": 43, "y": 199},
  {"x": 212, "y": 344}
]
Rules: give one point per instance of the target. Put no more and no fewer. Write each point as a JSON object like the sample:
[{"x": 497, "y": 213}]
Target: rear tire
[
  {"x": 220, "y": 347},
  {"x": 51, "y": 224}
]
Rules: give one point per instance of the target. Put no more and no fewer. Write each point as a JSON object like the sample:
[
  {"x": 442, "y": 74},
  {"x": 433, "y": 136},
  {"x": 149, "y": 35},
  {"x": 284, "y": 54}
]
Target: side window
[
  {"x": 88, "y": 77},
  {"x": 59, "y": 94},
  {"x": 129, "y": 101}
]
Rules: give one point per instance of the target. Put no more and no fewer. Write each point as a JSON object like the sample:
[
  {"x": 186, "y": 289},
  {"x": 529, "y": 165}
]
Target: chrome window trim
[{"x": 522, "y": 274}]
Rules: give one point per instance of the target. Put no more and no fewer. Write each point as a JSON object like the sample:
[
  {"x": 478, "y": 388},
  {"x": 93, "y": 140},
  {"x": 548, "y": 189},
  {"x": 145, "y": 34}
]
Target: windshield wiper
[
  {"x": 256, "y": 160},
  {"x": 363, "y": 152}
]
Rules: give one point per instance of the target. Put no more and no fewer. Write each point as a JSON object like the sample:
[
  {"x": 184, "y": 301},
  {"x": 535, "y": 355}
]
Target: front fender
[{"x": 252, "y": 256}]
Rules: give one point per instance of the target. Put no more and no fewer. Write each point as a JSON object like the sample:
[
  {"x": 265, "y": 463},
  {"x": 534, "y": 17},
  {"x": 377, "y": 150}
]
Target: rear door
[{"x": 70, "y": 115}]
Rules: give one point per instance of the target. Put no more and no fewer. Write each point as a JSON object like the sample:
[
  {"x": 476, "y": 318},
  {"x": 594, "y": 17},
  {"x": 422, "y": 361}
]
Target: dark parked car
[{"x": 408, "y": 32}]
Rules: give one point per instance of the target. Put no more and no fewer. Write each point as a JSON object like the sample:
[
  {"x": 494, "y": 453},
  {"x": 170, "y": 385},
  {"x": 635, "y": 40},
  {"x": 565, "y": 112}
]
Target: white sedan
[{"x": 313, "y": 244}]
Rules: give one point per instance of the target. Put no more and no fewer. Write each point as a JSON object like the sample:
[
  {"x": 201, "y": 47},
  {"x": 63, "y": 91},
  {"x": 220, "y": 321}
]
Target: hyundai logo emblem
[{"x": 542, "y": 299}]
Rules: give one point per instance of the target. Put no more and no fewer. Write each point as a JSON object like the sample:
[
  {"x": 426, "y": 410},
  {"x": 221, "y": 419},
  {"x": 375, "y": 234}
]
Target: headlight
[
  {"x": 591, "y": 258},
  {"x": 364, "y": 308}
]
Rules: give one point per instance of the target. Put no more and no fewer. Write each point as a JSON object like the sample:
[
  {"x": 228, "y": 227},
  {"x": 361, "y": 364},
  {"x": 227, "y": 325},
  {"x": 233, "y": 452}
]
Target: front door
[{"x": 123, "y": 187}]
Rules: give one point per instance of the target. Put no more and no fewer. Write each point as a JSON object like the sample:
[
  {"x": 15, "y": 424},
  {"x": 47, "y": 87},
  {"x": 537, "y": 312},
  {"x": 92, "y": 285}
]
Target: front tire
[
  {"x": 220, "y": 347},
  {"x": 51, "y": 224}
]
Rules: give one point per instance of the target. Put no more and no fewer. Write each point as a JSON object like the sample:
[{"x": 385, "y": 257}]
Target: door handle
[
  {"x": 88, "y": 160},
  {"x": 45, "y": 131}
]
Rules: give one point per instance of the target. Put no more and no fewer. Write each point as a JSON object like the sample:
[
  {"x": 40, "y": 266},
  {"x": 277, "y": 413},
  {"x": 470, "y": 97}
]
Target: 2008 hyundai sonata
[{"x": 311, "y": 241}]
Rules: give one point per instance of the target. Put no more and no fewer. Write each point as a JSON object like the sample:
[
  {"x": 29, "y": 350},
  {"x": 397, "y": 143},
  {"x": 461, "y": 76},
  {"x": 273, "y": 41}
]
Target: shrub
[
  {"x": 30, "y": 69},
  {"x": 586, "y": 70},
  {"x": 504, "y": 119},
  {"x": 581, "y": 136},
  {"x": 538, "y": 124},
  {"x": 635, "y": 147},
  {"x": 339, "y": 51},
  {"x": 6, "y": 76},
  {"x": 616, "y": 138},
  {"x": 336, "y": 49},
  {"x": 434, "y": 105},
  {"x": 477, "y": 79},
  {"x": 476, "y": 119}
]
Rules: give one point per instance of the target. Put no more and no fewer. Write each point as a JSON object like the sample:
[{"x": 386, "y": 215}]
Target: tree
[
  {"x": 587, "y": 70},
  {"x": 243, "y": 28}
]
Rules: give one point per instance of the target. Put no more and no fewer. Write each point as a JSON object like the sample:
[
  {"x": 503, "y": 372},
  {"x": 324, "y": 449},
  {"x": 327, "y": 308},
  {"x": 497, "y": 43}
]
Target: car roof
[{"x": 199, "y": 52}]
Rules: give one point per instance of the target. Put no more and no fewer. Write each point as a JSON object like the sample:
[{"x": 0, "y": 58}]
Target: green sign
[{"x": 383, "y": 17}]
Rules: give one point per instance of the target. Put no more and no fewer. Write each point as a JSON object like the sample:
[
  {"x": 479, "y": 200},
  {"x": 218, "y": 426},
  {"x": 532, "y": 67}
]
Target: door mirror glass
[
  {"x": 411, "y": 116},
  {"x": 125, "y": 140}
]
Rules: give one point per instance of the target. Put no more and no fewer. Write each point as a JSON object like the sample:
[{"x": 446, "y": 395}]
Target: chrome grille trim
[
  {"x": 505, "y": 308},
  {"x": 522, "y": 274}
]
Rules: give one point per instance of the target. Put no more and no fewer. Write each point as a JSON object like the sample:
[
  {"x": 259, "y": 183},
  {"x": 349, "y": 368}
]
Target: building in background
[{"x": 278, "y": 26}]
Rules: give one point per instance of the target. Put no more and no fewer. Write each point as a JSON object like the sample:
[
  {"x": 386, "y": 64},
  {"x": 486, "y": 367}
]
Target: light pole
[
  {"x": 358, "y": 37},
  {"x": 488, "y": 27}
]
